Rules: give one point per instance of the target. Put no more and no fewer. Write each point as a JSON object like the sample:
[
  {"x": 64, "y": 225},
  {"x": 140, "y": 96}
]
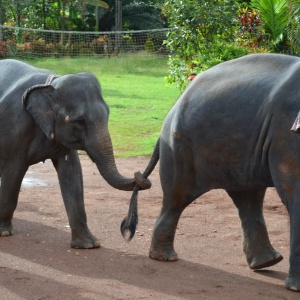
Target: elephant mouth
[{"x": 74, "y": 145}]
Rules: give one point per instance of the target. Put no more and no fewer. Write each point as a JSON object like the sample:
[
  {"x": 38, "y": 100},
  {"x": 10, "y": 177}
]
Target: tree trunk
[{"x": 118, "y": 23}]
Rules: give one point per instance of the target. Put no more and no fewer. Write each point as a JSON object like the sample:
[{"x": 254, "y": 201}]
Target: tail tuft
[
  {"x": 129, "y": 224},
  {"x": 127, "y": 231}
]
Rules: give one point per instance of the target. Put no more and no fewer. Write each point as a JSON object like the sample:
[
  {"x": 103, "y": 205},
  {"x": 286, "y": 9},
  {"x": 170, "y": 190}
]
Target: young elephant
[
  {"x": 231, "y": 129},
  {"x": 43, "y": 116}
]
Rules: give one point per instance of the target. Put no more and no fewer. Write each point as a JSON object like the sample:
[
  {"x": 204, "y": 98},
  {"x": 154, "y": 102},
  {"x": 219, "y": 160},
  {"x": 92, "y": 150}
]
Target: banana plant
[{"x": 96, "y": 3}]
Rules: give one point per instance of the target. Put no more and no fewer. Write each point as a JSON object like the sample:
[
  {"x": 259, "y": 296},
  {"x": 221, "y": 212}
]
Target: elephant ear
[{"x": 37, "y": 100}]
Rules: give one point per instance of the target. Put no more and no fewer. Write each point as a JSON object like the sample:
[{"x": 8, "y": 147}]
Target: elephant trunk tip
[{"x": 143, "y": 182}]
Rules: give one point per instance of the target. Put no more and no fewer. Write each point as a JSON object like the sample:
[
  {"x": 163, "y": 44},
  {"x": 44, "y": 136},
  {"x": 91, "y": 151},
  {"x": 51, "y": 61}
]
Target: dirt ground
[{"x": 38, "y": 263}]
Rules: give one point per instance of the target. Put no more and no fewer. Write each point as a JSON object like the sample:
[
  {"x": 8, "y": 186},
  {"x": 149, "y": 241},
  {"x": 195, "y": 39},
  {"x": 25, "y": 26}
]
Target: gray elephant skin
[
  {"x": 45, "y": 116},
  {"x": 235, "y": 127}
]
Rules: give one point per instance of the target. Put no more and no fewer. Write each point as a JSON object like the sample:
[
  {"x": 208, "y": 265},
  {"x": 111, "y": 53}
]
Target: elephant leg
[
  {"x": 179, "y": 190},
  {"x": 162, "y": 245},
  {"x": 70, "y": 179},
  {"x": 293, "y": 206},
  {"x": 256, "y": 244},
  {"x": 11, "y": 179},
  {"x": 285, "y": 175}
]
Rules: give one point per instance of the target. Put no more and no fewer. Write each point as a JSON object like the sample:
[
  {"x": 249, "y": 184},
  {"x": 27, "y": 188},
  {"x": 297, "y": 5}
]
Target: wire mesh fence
[{"x": 34, "y": 43}]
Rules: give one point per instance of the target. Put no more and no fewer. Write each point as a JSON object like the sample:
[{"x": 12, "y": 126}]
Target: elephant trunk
[{"x": 100, "y": 151}]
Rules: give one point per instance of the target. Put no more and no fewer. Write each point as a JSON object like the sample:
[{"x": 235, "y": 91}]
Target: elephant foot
[
  {"x": 86, "y": 241},
  {"x": 170, "y": 256},
  {"x": 264, "y": 261},
  {"x": 6, "y": 230},
  {"x": 293, "y": 283},
  {"x": 6, "y": 233},
  {"x": 80, "y": 244}
]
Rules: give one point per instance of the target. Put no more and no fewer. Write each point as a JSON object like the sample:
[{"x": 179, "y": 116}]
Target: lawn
[{"x": 136, "y": 92}]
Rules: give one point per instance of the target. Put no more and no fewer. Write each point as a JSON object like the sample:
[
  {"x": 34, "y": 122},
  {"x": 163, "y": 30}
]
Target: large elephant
[
  {"x": 45, "y": 116},
  {"x": 234, "y": 128}
]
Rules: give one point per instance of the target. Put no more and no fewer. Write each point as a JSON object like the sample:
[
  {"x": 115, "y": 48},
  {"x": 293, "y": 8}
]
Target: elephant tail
[{"x": 129, "y": 224}]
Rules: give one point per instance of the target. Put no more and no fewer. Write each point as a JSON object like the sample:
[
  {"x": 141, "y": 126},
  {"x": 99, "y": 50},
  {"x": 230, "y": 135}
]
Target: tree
[
  {"x": 118, "y": 22},
  {"x": 135, "y": 16},
  {"x": 201, "y": 36},
  {"x": 82, "y": 15},
  {"x": 2, "y": 16}
]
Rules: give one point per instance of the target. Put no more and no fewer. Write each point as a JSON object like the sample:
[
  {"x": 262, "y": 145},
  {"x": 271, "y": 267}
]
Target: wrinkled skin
[
  {"x": 231, "y": 129},
  {"x": 42, "y": 120}
]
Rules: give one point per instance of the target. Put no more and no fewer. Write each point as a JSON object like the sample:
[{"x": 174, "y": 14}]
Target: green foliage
[
  {"x": 293, "y": 28},
  {"x": 200, "y": 32},
  {"x": 96, "y": 3},
  {"x": 149, "y": 46},
  {"x": 80, "y": 15},
  {"x": 275, "y": 16},
  {"x": 136, "y": 15},
  {"x": 220, "y": 52},
  {"x": 134, "y": 89}
]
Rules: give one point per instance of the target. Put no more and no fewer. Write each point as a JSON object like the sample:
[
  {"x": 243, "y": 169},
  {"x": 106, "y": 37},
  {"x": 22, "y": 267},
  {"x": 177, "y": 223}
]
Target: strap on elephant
[{"x": 51, "y": 78}]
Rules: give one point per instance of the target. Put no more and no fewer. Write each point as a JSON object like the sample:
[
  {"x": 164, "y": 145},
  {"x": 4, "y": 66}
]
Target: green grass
[{"x": 136, "y": 92}]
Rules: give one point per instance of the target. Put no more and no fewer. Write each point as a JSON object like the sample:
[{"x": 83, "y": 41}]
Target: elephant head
[{"x": 72, "y": 113}]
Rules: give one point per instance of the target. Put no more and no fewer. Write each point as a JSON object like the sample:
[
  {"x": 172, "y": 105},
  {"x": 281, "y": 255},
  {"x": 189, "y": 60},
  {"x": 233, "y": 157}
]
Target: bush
[
  {"x": 221, "y": 52},
  {"x": 250, "y": 32},
  {"x": 3, "y": 49},
  {"x": 149, "y": 46},
  {"x": 198, "y": 31},
  {"x": 97, "y": 45}
]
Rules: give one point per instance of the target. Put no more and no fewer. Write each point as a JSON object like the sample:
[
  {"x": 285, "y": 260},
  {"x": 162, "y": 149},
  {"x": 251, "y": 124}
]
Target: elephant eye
[{"x": 80, "y": 122}]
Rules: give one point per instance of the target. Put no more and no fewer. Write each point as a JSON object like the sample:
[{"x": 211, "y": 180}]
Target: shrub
[
  {"x": 3, "y": 49},
  {"x": 249, "y": 31},
  {"x": 149, "y": 46},
  {"x": 97, "y": 45},
  {"x": 198, "y": 31}
]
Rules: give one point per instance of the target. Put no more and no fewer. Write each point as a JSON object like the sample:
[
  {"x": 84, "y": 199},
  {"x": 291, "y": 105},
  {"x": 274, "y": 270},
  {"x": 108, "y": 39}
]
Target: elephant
[
  {"x": 47, "y": 116},
  {"x": 235, "y": 127}
]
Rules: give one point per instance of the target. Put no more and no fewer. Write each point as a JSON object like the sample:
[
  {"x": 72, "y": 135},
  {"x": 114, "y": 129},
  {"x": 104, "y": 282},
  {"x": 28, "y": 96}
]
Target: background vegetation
[
  {"x": 205, "y": 33},
  {"x": 201, "y": 34},
  {"x": 81, "y": 15},
  {"x": 136, "y": 93}
]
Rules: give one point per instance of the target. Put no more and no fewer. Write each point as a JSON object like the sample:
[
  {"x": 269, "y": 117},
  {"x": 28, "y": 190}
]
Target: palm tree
[
  {"x": 293, "y": 29},
  {"x": 281, "y": 21},
  {"x": 274, "y": 14}
]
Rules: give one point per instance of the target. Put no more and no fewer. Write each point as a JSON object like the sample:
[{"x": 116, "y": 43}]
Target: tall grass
[{"x": 136, "y": 92}]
